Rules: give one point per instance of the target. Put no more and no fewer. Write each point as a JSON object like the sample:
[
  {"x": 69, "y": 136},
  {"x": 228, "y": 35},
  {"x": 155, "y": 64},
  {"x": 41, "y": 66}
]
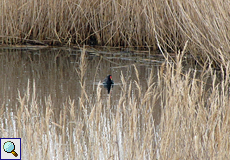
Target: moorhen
[{"x": 108, "y": 83}]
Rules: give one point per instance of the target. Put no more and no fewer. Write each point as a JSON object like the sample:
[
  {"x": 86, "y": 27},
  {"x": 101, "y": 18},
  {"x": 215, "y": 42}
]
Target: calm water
[{"x": 53, "y": 71}]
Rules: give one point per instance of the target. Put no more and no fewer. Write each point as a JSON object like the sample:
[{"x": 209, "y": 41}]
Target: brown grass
[
  {"x": 194, "y": 120},
  {"x": 122, "y": 23}
]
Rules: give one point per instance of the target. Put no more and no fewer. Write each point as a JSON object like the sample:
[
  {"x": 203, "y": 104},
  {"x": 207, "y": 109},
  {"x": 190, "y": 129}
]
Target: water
[
  {"x": 50, "y": 76},
  {"x": 53, "y": 71},
  {"x": 42, "y": 102}
]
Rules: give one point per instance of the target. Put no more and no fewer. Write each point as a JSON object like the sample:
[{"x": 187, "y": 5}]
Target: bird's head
[{"x": 109, "y": 77}]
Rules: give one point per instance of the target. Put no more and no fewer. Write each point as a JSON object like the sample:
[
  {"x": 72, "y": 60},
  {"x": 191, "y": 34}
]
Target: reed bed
[
  {"x": 168, "y": 23},
  {"x": 194, "y": 119}
]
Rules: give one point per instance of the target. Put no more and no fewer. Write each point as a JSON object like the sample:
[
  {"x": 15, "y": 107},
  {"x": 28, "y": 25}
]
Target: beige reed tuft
[{"x": 171, "y": 23}]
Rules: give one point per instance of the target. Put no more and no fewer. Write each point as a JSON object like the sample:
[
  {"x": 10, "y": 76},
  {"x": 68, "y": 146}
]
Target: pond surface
[{"x": 51, "y": 73}]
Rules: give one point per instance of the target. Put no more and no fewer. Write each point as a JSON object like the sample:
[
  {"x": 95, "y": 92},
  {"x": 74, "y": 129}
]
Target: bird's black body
[{"x": 108, "y": 83}]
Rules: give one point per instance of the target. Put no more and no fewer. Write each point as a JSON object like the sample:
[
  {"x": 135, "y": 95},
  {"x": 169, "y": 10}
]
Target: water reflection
[
  {"x": 54, "y": 74},
  {"x": 51, "y": 74}
]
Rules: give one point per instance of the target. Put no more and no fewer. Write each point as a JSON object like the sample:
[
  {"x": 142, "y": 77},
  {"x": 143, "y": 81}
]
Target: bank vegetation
[{"x": 149, "y": 23}]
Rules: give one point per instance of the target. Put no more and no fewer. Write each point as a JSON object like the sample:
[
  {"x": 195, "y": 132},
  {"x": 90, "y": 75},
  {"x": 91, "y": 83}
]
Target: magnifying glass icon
[{"x": 9, "y": 147}]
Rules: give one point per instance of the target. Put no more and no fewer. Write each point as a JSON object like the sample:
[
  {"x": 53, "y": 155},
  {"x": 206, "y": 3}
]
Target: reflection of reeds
[
  {"x": 193, "y": 124},
  {"x": 121, "y": 23}
]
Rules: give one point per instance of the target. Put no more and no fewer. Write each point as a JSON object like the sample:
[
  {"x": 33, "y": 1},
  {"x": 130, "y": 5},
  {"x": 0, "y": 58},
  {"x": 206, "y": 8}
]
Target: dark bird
[{"x": 108, "y": 83}]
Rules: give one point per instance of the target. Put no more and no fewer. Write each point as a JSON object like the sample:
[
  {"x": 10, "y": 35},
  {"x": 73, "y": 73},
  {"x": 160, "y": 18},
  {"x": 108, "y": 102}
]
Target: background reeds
[{"x": 122, "y": 23}]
